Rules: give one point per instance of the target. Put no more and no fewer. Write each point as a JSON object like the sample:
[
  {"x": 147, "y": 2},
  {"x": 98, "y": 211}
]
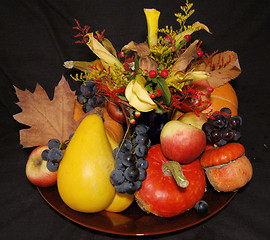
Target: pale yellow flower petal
[
  {"x": 152, "y": 17},
  {"x": 105, "y": 56},
  {"x": 138, "y": 97}
]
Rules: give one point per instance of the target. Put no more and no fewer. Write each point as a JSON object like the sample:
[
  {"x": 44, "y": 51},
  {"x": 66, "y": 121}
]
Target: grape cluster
[
  {"x": 222, "y": 128},
  {"x": 88, "y": 96},
  {"x": 130, "y": 163},
  {"x": 53, "y": 155}
]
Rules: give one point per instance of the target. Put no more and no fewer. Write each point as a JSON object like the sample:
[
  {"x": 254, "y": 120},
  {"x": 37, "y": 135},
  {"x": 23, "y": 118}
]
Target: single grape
[
  {"x": 81, "y": 99},
  {"x": 121, "y": 188},
  {"x": 142, "y": 163},
  {"x": 142, "y": 139},
  {"x": 119, "y": 165},
  {"x": 128, "y": 159},
  {"x": 221, "y": 142},
  {"x": 100, "y": 100},
  {"x": 142, "y": 174},
  {"x": 54, "y": 143},
  {"x": 138, "y": 184},
  {"x": 236, "y": 135},
  {"x": 125, "y": 145},
  {"x": 208, "y": 127},
  {"x": 52, "y": 166},
  {"x": 227, "y": 112},
  {"x": 220, "y": 121},
  {"x": 44, "y": 154},
  {"x": 201, "y": 206},
  {"x": 90, "y": 83},
  {"x": 131, "y": 173},
  {"x": 149, "y": 144},
  {"x": 87, "y": 91},
  {"x": 55, "y": 155},
  {"x": 141, "y": 129},
  {"x": 87, "y": 107},
  {"x": 235, "y": 122},
  {"x": 141, "y": 150},
  {"x": 226, "y": 134},
  {"x": 215, "y": 135},
  {"x": 117, "y": 177},
  {"x": 208, "y": 138},
  {"x": 115, "y": 152},
  {"x": 130, "y": 187}
]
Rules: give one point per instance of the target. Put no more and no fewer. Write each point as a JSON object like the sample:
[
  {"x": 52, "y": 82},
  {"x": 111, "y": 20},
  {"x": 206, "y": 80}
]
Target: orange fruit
[{"x": 223, "y": 96}]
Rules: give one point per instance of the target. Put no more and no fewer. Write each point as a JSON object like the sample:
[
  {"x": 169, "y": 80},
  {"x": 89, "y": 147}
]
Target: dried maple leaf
[
  {"x": 223, "y": 67},
  {"x": 46, "y": 118}
]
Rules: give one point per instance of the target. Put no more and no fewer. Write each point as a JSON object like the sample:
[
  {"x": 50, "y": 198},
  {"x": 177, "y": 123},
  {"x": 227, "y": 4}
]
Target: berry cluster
[
  {"x": 221, "y": 128},
  {"x": 130, "y": 163},
  {"x": 88, "y": 97},
  {"x": 53, "y": 155}
]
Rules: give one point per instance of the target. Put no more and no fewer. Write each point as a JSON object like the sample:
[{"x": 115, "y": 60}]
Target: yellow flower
[
  {"x": 105, "y": 56},
  {"x": 137, "y": 95},
  {"x": 187, "y": 77},
  {"x": 152, "y": 17}
]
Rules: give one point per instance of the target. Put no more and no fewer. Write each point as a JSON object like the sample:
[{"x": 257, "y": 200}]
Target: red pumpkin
[{"x": 160, "y": 193}]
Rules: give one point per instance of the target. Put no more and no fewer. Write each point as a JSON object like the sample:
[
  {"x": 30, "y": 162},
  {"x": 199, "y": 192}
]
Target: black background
[{"x": 36, "y": 37}]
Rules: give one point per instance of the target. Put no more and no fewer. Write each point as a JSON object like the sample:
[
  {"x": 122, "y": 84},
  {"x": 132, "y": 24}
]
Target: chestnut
[{"x": 226, "y": 167}]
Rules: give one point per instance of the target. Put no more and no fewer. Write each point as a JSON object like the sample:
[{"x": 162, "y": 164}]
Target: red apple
[
  {"x": 37, "y": 171},
  {"x": 182, "y": 142},
  {"x": 196, "y": 120},
  {"x": 115, "y": 112}
]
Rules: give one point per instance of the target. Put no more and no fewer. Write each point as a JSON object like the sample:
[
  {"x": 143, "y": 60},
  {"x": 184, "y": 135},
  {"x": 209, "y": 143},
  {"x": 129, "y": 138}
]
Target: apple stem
[{"x": 173, "y": 168}]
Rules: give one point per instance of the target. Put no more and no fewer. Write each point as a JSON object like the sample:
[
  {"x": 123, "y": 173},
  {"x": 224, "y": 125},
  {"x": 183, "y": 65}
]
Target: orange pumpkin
[
  {"x": 227, "y": 168},
  {"x": 113, "y": 128},
  {"x": 223, "y": 96}
]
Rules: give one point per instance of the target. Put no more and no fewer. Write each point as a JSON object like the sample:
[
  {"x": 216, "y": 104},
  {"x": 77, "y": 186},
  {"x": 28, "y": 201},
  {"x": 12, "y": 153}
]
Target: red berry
[
  {"x": 152, "y": 95},
  {"x": 121, "y": 54},
  {"x": 187, "y": 37},
  {"x": 137, "y": 114},
  {"x": 159, "y": 93},
  {"x": 200, "y": 52},
  {"x": 152, "y": 74},
  {"x": 210, "y": 89},
  {"x": 164, "y": 72},
  {"x": 133, "y": 121}
]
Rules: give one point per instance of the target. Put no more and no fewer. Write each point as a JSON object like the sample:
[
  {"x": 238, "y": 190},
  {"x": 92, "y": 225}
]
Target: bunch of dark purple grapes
[
  {"x": 53, "y": 155},
  {"x": 88, "y": 96},
  {"x": 222, "y": 128},
  {"x": 130, "y": 162}
]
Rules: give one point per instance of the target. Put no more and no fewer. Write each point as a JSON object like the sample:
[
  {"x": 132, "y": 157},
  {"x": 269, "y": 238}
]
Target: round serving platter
[{"x": 134, "y": 221}]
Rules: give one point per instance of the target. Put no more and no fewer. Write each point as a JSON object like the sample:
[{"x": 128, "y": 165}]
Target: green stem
[{"x": 174, "y": 168}]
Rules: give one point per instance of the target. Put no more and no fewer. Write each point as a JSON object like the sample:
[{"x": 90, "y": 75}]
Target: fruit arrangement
[{"x": 152, "y": 123}]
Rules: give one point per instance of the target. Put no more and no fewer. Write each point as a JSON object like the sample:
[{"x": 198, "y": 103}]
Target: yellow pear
[{"x": 83, "y": 177}]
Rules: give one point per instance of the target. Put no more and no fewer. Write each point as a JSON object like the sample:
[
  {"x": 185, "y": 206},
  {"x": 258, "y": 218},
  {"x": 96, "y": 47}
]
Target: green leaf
[{"x": 166, "y": 96}]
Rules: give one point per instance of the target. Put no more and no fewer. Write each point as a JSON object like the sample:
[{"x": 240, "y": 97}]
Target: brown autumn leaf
[
  {"x": 184, "y": 60},
  {"x": 143, "y": 51},
  {"x": 223, "y": 67},
  {"x": 46, "y": 118}
]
